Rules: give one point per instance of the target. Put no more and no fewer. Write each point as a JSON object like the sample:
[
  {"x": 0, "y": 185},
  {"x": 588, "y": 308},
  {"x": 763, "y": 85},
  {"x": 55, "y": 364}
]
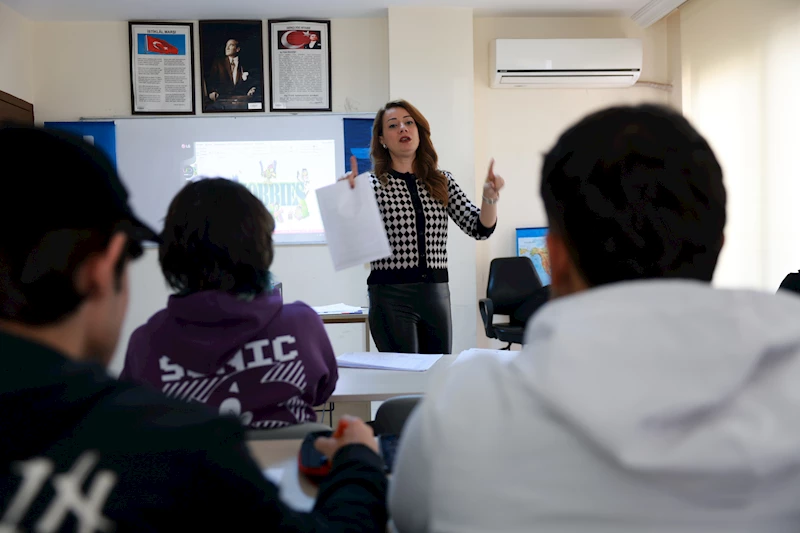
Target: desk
[
  {"x": 295, "y": 489},
  {"x": 357, "y": 387},
  {"x": 366, "y": 385},
  {"x": 269, "y": 453},
  {"x": 351, "y": 318}
]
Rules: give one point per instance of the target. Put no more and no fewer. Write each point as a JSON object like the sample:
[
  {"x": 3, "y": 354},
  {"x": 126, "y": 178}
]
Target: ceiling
[{"x": 87, "y": 10}]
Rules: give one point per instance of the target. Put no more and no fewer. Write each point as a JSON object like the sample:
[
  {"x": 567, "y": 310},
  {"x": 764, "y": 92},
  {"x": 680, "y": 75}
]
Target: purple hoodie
[{"x": 266, "y": 362}]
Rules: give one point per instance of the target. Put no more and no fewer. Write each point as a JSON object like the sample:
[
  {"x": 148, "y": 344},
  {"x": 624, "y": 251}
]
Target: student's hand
[
  {"x": 251, "y": 92},
  {"x": 351, "y": 176},
  {"x": 491, "y": 189},
  {"x": 351, "y": 430},
  {"x": 213, "y": 96}
]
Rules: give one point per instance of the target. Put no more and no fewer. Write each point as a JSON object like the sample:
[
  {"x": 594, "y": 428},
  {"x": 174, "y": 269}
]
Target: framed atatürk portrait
[{"x": 232, "y": 65}]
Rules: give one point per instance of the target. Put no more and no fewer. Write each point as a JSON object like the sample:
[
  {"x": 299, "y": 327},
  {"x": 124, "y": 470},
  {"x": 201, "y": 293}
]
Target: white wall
[
  {"x": 438, "y": 80},
  {"x": 16, "y": 55},
  {"x": 741, "y": 81},
  {"x": 517, "y": 126},
  {"x": 71, "y": 84}
]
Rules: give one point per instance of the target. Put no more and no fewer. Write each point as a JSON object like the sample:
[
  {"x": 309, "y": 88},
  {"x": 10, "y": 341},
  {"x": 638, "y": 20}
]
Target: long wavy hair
[{"x": 426, "y": 161}]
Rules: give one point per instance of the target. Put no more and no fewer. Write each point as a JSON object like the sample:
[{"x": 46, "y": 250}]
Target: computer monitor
[{"x": 532, "y": 243}]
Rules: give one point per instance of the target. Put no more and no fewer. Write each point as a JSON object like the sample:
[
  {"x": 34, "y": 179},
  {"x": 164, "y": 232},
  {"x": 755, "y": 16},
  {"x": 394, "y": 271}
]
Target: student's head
[
  {"x": 68, "y": 234},
  {"x": 400, "y": 131},
  {"x": 217, "y": 237},
  {"x": 632, "y": 193},
  {"x": 232, "y": 48}
]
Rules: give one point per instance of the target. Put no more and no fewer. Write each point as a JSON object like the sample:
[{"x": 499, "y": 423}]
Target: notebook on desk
[{"x": 409, "y": 362}]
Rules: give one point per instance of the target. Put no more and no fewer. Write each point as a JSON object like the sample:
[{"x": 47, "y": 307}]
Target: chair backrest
[
  {"x": 297, "y": 431},
  {"x": 511, "y": 281},
  {"x": 393, "y": 413}
]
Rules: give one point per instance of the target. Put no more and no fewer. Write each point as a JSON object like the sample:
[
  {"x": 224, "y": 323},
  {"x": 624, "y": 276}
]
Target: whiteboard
[{"x": 153, "y": 154}]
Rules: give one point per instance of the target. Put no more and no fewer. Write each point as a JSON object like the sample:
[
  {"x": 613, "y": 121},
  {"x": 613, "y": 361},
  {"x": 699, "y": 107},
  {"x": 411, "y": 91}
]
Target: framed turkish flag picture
[
  {"x": 300, "y": 65},
  {"x": 232, "y": 66},
  {"x": 162, "y": 68}
]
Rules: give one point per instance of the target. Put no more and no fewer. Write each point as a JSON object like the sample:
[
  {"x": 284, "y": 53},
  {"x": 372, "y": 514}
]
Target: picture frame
[
  {"x": 232, "y": 66},
  {"x": 162, "y": 68},
  {"x": 300, "y": 65}
]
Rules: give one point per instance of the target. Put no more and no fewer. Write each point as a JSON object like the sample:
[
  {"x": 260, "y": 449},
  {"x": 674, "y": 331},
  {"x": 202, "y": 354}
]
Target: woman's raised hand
[{"x": 351, "y": 176}]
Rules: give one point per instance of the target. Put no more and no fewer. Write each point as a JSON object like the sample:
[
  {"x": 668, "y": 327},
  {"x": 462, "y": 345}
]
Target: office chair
[
  {"x": 512, "y": 281},
  {"x": 393, "y": 413}
]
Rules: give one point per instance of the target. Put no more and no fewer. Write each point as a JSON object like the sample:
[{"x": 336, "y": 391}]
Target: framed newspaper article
[
  {"x": 162, "y": 68},
  {"x": 300, "y": 65}
]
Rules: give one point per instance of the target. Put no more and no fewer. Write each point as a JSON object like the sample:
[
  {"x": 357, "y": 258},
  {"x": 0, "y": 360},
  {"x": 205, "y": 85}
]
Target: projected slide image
[{"x": 282, "y": 174}]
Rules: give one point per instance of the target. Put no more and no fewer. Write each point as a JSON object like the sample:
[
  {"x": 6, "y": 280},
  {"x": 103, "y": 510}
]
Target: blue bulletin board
[
  {"x": 357, "y": 137},
  {"x": 103, "y": 134}
]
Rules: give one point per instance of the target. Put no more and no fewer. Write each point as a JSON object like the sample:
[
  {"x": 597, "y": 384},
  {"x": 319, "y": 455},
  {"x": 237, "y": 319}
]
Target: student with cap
[{"x": 80, "y": 451}]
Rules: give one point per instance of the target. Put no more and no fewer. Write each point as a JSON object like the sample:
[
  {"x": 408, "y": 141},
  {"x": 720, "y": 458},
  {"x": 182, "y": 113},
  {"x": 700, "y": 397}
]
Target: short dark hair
[
  {"x": 58, "y": 224},
  {"x": 636, "y": 193},
  {"x": 38, "y": 284},
  {"x": 217, "y": 236}
]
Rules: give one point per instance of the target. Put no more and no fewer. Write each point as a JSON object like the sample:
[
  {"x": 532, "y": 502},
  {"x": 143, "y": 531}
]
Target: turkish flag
[
  {"x": 297, "y": 39},
  {"x": 160, "y": 46}
]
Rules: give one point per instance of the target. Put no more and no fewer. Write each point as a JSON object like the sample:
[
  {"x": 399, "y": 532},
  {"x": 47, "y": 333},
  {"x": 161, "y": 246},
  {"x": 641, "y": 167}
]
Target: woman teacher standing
[{"x": 409, "y": 296}]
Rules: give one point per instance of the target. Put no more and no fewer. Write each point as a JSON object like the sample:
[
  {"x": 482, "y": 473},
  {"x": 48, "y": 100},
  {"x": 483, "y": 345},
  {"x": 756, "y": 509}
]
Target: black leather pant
[{"x": 411, "y": 317}]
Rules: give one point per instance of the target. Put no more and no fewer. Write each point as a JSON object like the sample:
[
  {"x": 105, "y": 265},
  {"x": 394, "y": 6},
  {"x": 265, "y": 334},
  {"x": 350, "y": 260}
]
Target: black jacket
[
  {"x": 79, "y": 448},
  {"x": 791, "y": 282}
]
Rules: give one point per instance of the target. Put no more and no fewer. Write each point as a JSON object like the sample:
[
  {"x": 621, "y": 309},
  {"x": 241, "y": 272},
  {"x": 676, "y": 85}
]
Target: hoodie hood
[
  {"x": 202, "y": 330},
  {"x": 695, "y": 388}
]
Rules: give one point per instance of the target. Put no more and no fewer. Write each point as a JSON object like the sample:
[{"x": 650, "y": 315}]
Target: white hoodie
[{"x": 652, "y": 407}]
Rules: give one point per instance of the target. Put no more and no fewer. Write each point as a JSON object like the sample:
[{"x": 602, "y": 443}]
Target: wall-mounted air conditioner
[{"x": 564, "y": 63}]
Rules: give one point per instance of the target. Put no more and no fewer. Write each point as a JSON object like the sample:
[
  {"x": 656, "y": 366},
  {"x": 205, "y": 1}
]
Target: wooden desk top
[
  {"x": 269, "y": 453},
  {"x": 365, "y": 385}
]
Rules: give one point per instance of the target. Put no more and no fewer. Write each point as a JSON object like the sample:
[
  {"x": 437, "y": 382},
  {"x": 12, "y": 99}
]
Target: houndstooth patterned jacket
[{"x": 416, "y": 225}]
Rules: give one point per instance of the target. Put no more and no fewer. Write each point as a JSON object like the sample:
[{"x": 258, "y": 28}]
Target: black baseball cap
[{"x": 52, "y": 181}]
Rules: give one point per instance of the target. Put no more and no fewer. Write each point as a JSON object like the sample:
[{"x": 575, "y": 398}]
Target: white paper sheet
[
  {"x": 410, "y": 362},
  {"x": 286, "y": 476},
  {"x": 354, "y": 228},
  {"x": 503, "y": 355},
  {"x": 274, "y": 474},
  {"x": 336, "y": 309}
]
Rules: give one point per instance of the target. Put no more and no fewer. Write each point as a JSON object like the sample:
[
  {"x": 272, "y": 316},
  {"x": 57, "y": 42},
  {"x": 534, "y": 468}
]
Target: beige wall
[
  {"x": 16, "y": 54},
  {"x": 516, "y": 126},
  {"x": 741, "y": 81},
  {"x": 439, "y": 81},
  {"x": 734, "y": 64},
  {"x": 70, "y": 84},
  {"x": 674, "y": 53}
]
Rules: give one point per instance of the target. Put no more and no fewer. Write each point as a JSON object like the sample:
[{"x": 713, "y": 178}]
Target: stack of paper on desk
[
  {"x": 336, "y": 309},
  {"x": 410, "y": 362}
]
